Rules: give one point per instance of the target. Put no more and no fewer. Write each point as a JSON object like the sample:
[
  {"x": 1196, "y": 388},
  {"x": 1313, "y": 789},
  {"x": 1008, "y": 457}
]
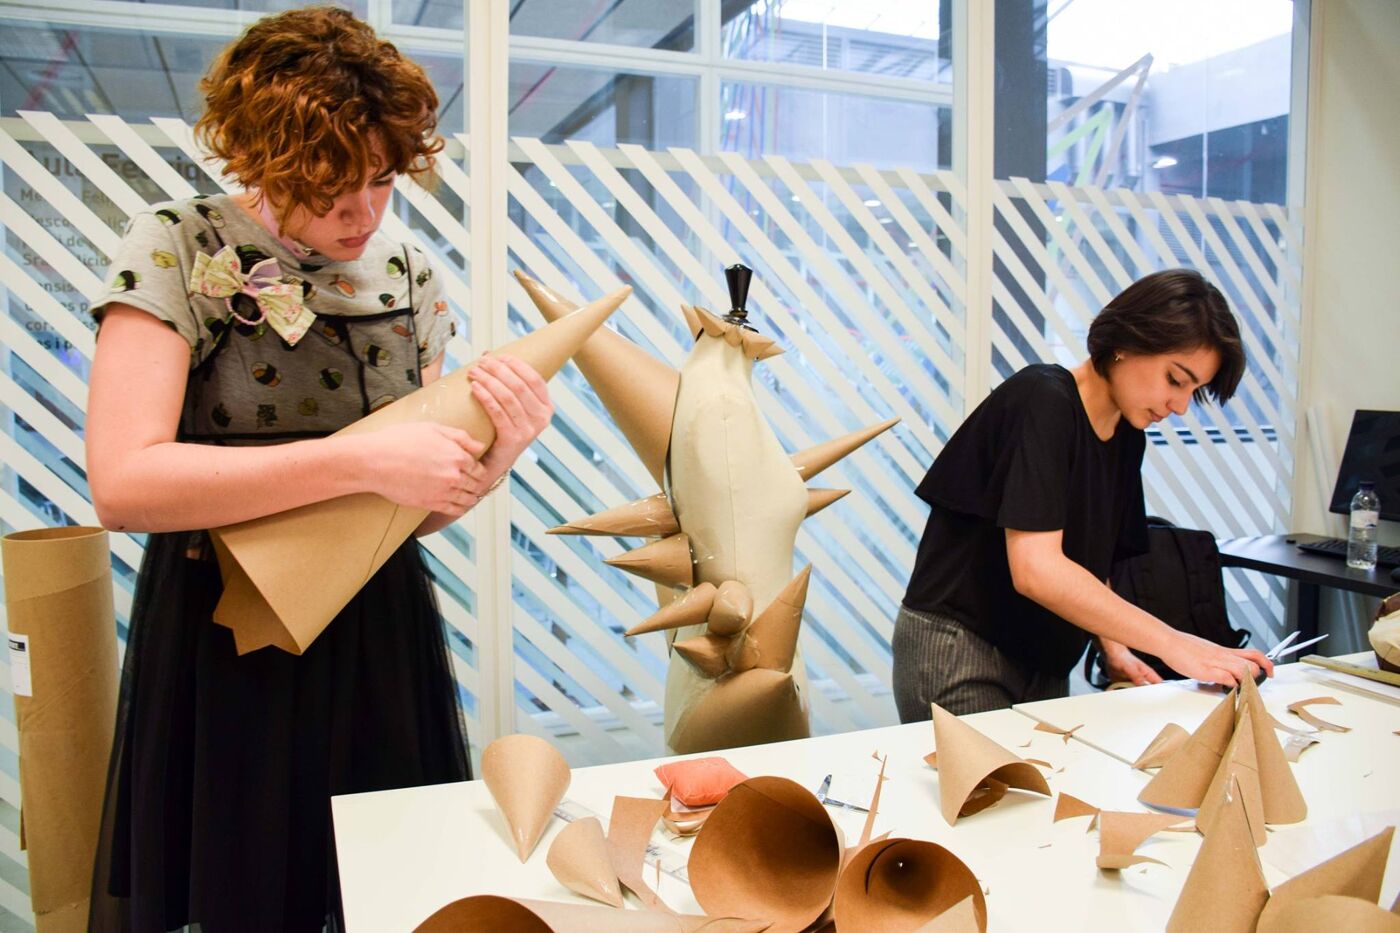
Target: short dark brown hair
[
  {"x": 295, "y": 105},
  {"x": 1166, "y": 312}
]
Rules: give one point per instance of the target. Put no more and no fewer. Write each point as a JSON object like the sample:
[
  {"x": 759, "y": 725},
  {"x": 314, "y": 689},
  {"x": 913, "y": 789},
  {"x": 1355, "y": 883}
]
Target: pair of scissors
[
  {"x": 827, "y": 801},
  {"x": 1284, "y": 648}
]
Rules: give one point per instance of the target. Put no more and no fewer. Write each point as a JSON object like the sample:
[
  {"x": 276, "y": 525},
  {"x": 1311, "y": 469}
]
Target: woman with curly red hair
[{"x": 237, "y": 334}]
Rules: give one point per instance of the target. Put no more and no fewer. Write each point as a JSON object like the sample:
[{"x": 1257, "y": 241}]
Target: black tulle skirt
[{"x": 223, "y": 767}]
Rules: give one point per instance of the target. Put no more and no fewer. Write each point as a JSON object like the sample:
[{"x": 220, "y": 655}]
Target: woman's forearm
[
  {"x": 1076, "y": 595},
  {"x": 178, "y": 487}
]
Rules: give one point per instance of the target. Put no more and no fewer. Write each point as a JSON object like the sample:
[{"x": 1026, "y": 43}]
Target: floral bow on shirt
[{"x": 221, "y": 276}]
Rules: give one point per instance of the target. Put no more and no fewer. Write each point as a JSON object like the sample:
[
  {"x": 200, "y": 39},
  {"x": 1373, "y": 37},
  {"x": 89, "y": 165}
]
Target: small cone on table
[
  {"x": 578, "y": 859},
  {"x": 690, "y": 609},
  {"x": 1225, "y": 890},
  {"x": 814, "y": 460},
  {"x": 527, "y": 777},
  {"x": 1355, "y": 874},
  {"x": 967, "y": 759},
  {"x": 776, "y": 629},
  {"x": 732, "y": 609},
  {"x": 636, "y": 388},
  {"x": 649, "y": 517},
  {"x": 342, "y": 542},
  {"x": 1184, "y": 779},
  {"x": 1328, "y": 912},
  {"x": 1161, "y": 748},
  {"x": 666, "y": 561}
]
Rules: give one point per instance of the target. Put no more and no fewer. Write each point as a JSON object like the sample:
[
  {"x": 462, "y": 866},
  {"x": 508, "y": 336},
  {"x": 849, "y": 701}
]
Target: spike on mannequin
[{"x": 723, "y": 530}]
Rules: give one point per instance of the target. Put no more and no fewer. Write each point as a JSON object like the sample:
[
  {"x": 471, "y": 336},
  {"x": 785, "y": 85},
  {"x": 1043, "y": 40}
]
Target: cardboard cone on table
[
  {"x": 967, "y": 759},
  {"x": 578, "y": 859},
  {"x": 1161, "y": 748},
  {"x": 1317, "y": 895},
  {"x": 905, "y": 884},
  {"x": 527, "y": 777},
  {"x": 1238, "y": 774},
  {"x": 1282, "y": 799},
  {"x": 342, "y": 542},
  {"x": 1225, "y": 890},
  {"x": 1184, "y": 779}
]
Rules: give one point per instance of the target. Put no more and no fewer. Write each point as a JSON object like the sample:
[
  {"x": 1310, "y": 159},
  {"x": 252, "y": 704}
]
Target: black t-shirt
[{"x": 1027, "y": 458}]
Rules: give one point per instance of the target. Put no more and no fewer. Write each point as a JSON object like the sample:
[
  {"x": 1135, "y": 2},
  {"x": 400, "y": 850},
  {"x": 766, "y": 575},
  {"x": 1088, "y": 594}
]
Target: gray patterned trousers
[{"x": 939, "y": 660}]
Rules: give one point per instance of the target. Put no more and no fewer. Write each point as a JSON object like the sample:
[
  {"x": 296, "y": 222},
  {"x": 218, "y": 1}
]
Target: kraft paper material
[
  {"x": 904, "y": 884},
  {"x": 960, "y": 918},
  {"x": 1354, "y": 875},
  {"x": 775, "y": 630},
  {"x": 1385, "y": 634},
  {"x": 1238, "y": 774},
  {"x": 968, "y": 759},
  {"x": 818, "y": 499},
  {"x": 814, "y": 460},
  {"x": 1300, "y": 709},
  {"x": 578, "y": 858},
  {"x": 1121, "y": 833},
  {"x": 527, "y": 777},
  {"x": 1283, "y": 799},
  {"x": 667, "y": 561},
  {"x": 1166, "y": 744},
  {"x": 746, "y": 709},
  {"x": 340, "y": 543},
  {"x": 1329, "y": 912},
  {"x": 769, "y": 852},
  {"x": 629, "y": 831},
  {"x": 1067, "y": 807},
  {"x": 1225, "y": 890},
  {"x": 649, "y": 518},
  {"x": 488, "y": 913},
  {"x": 1066, "y": 734},
  {"x": 732, "y": 609},
  {"x": 692, "y": 608},
  {"x": 1184, "y": 779},
  {"x": 58, "y": 598}
]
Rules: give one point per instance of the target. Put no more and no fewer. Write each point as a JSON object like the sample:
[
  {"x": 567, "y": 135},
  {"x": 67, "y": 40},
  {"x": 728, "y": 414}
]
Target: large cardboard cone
[
  {"x": 1356, "y": 873},
  {"x": 967, "y": 758},
  {"x": 488, "y": 913},
  {"x": 578, "y": 858},
  {"x": 691, "y": 609},
  {"x": 814, "y": 460},
  {"x": 769, "y": 851},
  {"x": 267, "y": 563},
  {"x": 636, "y": 388},
  {"x": 63, "y": 673},
  {"x": 1184, "y": 779},
  {"x": 775, "y": 630},
  {"x": 1239, "y": 774},
  {"x": 1329, "y": 912},
  {"x": 902, "y": 884},
  {"x": 1225, "y": 890},
  {"x": 649, "y": 518},
  {"x": 1160, "y": 749},
  {"x": 1121, "y": 833},
  {"x": 666, "y": 561},
  {"x": 1283, "y": 799},
  {"x": 527, "y": 777},
  {"x": 751, "y": 708}
]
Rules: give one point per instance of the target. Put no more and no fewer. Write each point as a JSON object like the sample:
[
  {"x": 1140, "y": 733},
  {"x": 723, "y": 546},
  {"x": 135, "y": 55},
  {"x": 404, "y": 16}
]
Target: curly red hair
[{"x": 309, "y": 104}]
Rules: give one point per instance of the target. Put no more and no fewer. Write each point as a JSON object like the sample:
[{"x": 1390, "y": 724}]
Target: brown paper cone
[
  {"x": 813, "y": 460},
  {"x": 636, "y": 388},
  {"x": 775, "y": 630},
  {"x": 58, "y": 597},
  {"x": 690, "y": 609},
  {"x": 818, "y": 499},
  {"x": 1121, "y": 833},
  {"x": 578, "y": 858},
  {"x": 902, "y": 884},
  {"x": 967, "y": 758},
  {"x": 732, "y": 610},
  {"x": 1225, "y": 890},
  {"x": 650, "y": 517},
  {"x": 1357, "y": 872},
  {"x": 527, "y": 778},
  {"x": 1238, "y": 774},
  {"x": 341, "y": 543},
  {"x": 667, "y": 561},
  {"x": 706, "y": 653},
  {"x": 1283, "y": 799},
  {"x": 1184, "y": 779},
  {"x": 488, "y": 913},
  {"x": 1330, "y": 912},
  {"x": 960, "y": 918},
  {"x": 751, "y": 708},
  {"x": 1168, "y": 741},
  {"x": 769, "y": 851},
  {"x": 1068, "y": 807},
  {"x": 629, "y": 831}
]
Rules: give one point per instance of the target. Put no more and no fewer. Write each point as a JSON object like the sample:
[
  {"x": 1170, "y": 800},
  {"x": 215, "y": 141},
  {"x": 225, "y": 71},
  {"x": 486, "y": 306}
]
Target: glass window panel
[
  {"x": 601, "y": 106},
  {"x": 359, "y": 7},
  {"x": 893, "y": 38},
  {"x": 758, "y": 119},
  {"x": 648, "y": 24},
  {"x": 442, "y": 14}
]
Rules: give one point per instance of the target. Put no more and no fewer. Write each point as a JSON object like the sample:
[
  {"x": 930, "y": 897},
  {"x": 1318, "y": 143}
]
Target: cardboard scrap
[
  {"x": 63, "y": 635},
  {"x": 1121, "y": 833},
  {"x": 968, "y": 760},
  {"x": 1056, "y": 730},
  {"x": 1300, "y": 709},
  {"x": 769, "y": 851},
  {"x": 1225, "y": 890},
  {"x": 342, "y": 542},
  {"x": 1166, "y": 744},
  {"x": 578, "y": 859},
  {"x": 1067, "y": 807},
  {"x": 1297, "y": 744},
  {"x": 527, "y": 777},
  {"x": 489, "y": 913},
  {"x": 904, "y": 884},
  {"x": 629, "y": 832}
]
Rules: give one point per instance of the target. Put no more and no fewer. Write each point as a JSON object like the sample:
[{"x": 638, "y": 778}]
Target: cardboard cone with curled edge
[
  {"x": 666, "y": 561},
  {"x": 769, "y": 851},
  {"x": 636, "y": 388},
  {"x": 1238, "y": 767},
  {"x": 775, "y": 630},
  {"x": 1184, "y": 779},
  {"x": 1225, "y": 890},
  {"x": 691, "y": 608},
  {"x": 967, "y": 759},
  {"x": 903, "y": 884},
  {"x": 814, "y": 460},
  {"x": 527, "y": 777},
  {"x": 578, "y": 859},
  {"x": 1283, "y": 799},
  {"x": 340, "y": 543},
  {"x": 1161, "y": 748},
  {"x": 1357, "y": 873},
  {"x": 649, "y": 518}
]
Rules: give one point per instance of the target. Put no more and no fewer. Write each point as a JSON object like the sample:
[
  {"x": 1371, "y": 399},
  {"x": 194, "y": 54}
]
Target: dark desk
[{"x": 1277, "y": 554}]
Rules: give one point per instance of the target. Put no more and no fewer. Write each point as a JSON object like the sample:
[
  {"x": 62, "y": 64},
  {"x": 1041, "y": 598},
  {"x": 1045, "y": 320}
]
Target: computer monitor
[{"x": 1373, "y": 452}]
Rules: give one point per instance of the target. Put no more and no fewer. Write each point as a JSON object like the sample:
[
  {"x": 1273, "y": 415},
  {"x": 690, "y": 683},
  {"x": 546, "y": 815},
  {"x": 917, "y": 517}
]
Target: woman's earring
[{"x": 1117, "y": 357}]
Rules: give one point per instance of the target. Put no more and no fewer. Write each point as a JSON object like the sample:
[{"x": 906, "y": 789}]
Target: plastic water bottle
[{"x": 1361, "y": 538}]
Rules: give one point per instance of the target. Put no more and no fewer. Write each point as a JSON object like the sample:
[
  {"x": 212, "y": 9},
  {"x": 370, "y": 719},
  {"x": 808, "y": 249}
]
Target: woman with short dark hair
[{"x": 1036, "y": 496}]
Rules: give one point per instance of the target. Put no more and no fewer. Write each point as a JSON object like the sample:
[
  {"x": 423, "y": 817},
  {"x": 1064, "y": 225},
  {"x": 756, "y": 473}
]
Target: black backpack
[{"x": 1179, "y": 581}]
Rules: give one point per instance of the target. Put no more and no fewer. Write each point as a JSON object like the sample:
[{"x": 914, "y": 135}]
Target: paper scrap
[
  {"x": 1056, "y": 730},
  {"x": 578, "y": 858},
  {"x": 1067, "y": 807},
  {"x": 629, "y": 832},
  {"x": 1121, "y": 833},
  {"x": 1296, "y": 745},
  {"x": 1300, "y": 709}
]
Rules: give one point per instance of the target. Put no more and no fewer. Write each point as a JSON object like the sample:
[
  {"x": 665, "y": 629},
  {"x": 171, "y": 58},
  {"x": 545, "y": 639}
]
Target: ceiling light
[
  {"x": 1165, "y": 162},
  {"x": 733, "y": 115}
]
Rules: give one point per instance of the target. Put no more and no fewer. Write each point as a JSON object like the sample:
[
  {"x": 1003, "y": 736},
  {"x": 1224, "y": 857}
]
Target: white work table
[{"x": 403, "y": 854}]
